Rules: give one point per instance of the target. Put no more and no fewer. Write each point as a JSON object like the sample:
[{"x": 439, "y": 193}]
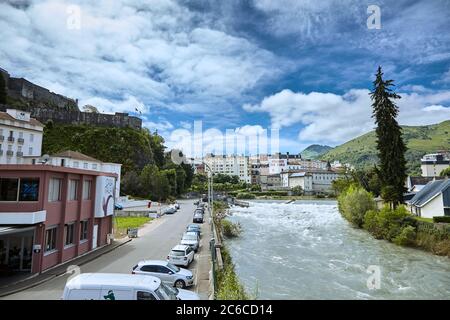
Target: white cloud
[
  {"x": 333, "y": 119},
  {"x": 157, "y": 52}
]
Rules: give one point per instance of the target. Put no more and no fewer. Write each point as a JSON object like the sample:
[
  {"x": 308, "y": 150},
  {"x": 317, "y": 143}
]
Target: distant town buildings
[
  {"x": 311, "y": 181},
  {"x": 433, "y": 164},
  {"x": 233, "y": 165}
]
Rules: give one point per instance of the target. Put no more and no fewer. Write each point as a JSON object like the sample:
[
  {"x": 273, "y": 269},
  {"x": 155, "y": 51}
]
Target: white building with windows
[
  {"x": 432, "y": 164},
  {"x": 77, "y": 160},
  {"x": 20, "y": 137},
  {"x": 232, "y": 165},
  {"x": 311, "y": 181}
]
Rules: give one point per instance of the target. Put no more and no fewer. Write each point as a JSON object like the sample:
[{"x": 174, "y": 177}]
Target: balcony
[
  {"x": 2, "y": 138},
  {"x": 9, "y": 153},
  {"x": 19, "y": 154},
  {"x": 10, "y": 139},
  {"x": 20, "y": 140}
]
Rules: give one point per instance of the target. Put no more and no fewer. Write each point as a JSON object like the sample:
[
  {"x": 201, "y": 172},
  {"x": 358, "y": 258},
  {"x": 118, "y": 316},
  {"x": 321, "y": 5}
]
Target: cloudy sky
[{"x": 303, "y": 66}]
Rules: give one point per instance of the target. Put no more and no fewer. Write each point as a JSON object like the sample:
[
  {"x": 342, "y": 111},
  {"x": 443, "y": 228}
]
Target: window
[
  {"x": 54, "y": 190},
  {"x": 11, "y": 134},
  {"x": 149, "y": 268},
  {"x": 8, "y": 189},
  {"x": 30, "y": 151},
  {"x": 76, "y": 164},
  {"x": 19, "y": 148},
  {"x": 87, "y": 189},
  {"x": 20, "y": 135},
  {"x": 94, "y": 166},
  {"x": 85, "y": 165},
  {"x": 68, "y": 234},
  {"x": 29, "y": 189},
  {"x": 73, "y": 188},
  {"x": 143, "y": 295},
  {"x": 50, "y": 239},
  {"x": 84, "y": 230},
  {"x": 31, "y": 137}
]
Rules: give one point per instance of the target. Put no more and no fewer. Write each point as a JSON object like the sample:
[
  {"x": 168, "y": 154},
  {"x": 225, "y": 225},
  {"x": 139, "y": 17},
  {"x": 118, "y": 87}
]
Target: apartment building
[
  {"x": 433, "y": 164},
  {"x": 311, "y": 181},
  {"x": 20, "y": 137},
  {"x": 233, "y": 165}
]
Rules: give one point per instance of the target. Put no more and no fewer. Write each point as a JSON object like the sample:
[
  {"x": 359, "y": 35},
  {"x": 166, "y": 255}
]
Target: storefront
[{"x": 16, "y": 249}]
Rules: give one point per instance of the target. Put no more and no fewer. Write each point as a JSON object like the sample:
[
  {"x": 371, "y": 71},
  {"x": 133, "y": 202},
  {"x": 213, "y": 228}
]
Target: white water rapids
[{"x": 306, "y": 250}]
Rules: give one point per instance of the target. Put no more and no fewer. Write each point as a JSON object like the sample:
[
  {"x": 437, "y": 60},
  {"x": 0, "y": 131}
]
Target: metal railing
[{"x": 20, "y": 140}]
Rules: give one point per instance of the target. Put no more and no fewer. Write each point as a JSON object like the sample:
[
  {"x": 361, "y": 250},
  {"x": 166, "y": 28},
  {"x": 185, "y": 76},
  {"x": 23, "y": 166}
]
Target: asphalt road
[{"x": 154, "y": 242}]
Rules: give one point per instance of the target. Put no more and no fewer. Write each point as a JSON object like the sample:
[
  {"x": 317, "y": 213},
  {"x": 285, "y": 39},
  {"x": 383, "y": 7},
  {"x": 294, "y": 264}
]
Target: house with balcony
[{"x": 20, "y": 137}]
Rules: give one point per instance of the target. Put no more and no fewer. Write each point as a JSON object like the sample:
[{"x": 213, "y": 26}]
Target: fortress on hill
[{"x": 45, "y": 105}]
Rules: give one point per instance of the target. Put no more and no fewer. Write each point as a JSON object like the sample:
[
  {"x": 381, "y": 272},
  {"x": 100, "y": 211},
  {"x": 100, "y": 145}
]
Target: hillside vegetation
[
  {"x": 314, "y": 151},
  {"x": 361, "y": 151}
]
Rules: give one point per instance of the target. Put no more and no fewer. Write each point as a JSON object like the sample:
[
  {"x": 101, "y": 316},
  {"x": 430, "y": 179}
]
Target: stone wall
[
  {"x": 78, "y": 117},
  {"x": 21, "y": 88}
]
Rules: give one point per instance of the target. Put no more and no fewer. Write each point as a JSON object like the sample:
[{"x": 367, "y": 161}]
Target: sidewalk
[
  {"x": 23, "y": 282},
  {"x": 203, "y": 287}
]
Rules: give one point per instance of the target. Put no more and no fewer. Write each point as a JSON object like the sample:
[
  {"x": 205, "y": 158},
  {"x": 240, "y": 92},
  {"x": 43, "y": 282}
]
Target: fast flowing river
[{"x": 306, "y": 250}]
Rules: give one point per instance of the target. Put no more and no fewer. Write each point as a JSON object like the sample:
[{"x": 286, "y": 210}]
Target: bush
[
  {"x": 445, "y": 219},
  {"x": 230, "y": 229},
  {"x": 354, "y": 203},
  {"x": 245, "y": 195},
  {"x": 406, "y": 237},
  {"x": 228, "y": 284},
  {"x": 387, "y": 223},
  {"x": 297, "y": 191}
]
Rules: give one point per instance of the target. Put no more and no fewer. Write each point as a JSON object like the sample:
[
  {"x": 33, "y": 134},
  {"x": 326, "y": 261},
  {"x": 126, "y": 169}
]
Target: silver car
[
  {"x": 167, "y": 272},
  {"x": 190, "y": 239}
]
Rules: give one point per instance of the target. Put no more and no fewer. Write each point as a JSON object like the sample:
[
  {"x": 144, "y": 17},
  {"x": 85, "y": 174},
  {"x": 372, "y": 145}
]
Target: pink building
[{"x": 51, "y": 214}]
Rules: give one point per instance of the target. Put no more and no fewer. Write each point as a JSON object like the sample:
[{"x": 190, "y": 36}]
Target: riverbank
[
  {"x": 394, "y": 225},
  {"x": 228, "y": 285}
]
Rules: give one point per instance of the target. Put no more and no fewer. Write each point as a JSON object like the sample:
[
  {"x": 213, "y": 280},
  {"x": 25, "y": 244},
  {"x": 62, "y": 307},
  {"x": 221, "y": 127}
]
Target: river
[{"x": 306, "y": 250}]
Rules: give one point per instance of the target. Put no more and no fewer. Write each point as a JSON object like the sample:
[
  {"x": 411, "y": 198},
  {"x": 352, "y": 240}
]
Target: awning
[{"x": 14, "y": 229}]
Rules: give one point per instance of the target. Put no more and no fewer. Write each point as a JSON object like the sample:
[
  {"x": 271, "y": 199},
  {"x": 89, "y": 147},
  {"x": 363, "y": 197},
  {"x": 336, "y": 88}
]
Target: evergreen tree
[
  {"x": 390, "y": 145},
  {"x": 2, "y": 89}
]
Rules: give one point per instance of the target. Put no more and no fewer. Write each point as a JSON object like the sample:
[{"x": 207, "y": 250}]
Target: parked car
[
  {"x": 118, "y": 206},
  {"x": 191, "y": 240},
  {"x": 194, "y": 228},
  {"x": 116, "y": 286},
  {"x": 167, "y": 272},
  {"x": 198, "y": 217},
  {"x": 170, "y": 210},
  {"x": 181, "y": 254},
  {"x": 183, "y": 294},
  {"x": 176, "y": 205}
]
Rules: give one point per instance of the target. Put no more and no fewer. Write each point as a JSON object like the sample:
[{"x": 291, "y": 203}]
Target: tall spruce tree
[{"x": 390, "y": 145}]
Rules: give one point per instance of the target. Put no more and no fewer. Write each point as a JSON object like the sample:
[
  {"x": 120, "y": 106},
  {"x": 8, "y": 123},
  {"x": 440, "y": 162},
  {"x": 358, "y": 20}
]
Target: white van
[{"x": 116, "y": 286}]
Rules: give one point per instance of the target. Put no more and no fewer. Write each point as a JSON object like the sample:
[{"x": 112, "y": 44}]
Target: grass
[
  {"x": 121, "y": 224},
  {"x": 424, "y": 219}
]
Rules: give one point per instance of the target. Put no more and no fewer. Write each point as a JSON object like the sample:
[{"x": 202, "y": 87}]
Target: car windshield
[
  {"x": 164, "y": 292},
  {"x": 193, "y": 226},
  {"x": 189, "y": 237},
  {"x": 173, "y": 268},
  {"x": 177, "y": 253}
]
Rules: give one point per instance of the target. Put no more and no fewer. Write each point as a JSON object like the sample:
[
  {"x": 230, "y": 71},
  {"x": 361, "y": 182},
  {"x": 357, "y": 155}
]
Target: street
[{"x": 154, "y": 242}]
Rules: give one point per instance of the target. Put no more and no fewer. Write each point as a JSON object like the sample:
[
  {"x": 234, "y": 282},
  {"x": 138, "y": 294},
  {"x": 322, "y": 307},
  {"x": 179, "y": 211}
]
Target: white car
[
  {"x": 183, "y": 294},
  {"x": 176, "y": 205},
  {"x": 190, "y": 239},
  {"x": 181, "y": 255},
  {"x": 167, "y": 272}
]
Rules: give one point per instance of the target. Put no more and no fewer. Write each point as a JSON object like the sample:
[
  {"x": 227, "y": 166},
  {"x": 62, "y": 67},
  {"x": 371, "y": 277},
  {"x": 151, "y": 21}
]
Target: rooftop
[
  {"x": 6, "y": 116},
  {"x": 74, "y": 155},
  {"x": 431, "y": 190}
]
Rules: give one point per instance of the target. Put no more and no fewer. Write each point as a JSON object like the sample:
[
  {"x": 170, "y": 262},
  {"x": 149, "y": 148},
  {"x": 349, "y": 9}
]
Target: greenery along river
[{"x": 306, "y": 250}]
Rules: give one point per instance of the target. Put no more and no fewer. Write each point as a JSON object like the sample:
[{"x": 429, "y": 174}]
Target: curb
[{"x": 54, "y": 276}]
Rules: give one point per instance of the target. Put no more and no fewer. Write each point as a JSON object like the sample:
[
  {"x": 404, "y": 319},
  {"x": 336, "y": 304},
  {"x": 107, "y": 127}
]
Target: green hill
[
  {"x": 314, "y": 151},
  {"x": 361, "y": 152},
  {"x": 133, "y": 148}
]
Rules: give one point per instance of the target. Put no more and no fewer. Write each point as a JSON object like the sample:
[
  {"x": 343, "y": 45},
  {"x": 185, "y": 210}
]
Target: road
[{"x": 154, "y": 242}]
